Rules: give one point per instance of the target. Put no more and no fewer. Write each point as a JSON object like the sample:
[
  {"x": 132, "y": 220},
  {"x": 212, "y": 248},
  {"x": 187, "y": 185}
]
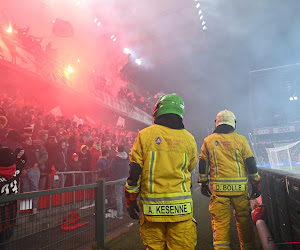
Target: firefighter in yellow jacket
[
  {"x": 162, "y": 157},
  {"x": 227, "y": 159}
]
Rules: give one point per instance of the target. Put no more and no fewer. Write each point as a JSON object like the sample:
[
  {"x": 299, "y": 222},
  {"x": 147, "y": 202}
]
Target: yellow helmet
[{"x": 225, "y": 117}]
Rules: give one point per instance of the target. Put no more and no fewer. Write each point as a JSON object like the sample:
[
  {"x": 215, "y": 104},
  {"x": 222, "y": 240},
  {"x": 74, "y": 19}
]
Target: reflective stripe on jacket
[
  {"x": 166, "y": 157},
  {"x": 225, "y": 156}
]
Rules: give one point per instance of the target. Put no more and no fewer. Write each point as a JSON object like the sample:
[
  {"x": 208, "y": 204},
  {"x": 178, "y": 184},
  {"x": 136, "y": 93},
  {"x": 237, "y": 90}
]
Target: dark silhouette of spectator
[
  {"x": 31, "y": 173},
  {"x": 74, "y": 165},
  {"x": 60, "y": 164},
  {"x": 109, "y": 148},
  {"x": 87, "y": 139},
  {"x": 42, "y": 157},
  {"x": 96, "y": 153},
  {"x": 12, "y": 140},
  {"x": 102, "y": 166},
  {"x": 71, "y": 148},
  {"x": 85, "y": 157},
  {"x": 119, "y": 170}
]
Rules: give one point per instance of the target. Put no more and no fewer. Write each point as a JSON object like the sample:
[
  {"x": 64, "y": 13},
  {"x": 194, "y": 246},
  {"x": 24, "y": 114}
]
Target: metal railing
[
  {"x": 66, "y": 218},
  {"x": 281, "y": 196},
  {"x": 73, "y": 174}
]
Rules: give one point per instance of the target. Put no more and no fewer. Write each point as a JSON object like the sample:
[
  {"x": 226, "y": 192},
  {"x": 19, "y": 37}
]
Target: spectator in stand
[
  {"x": 75, "y": 165},
  {"x": 42, "y": 136},
  {"x": 3, "y": 130},
  {"x": 16, "y": 120},
  {"x": 85, "y": 157},
  {"x": 87, "y": 139},
  {"x": 31, "y": 173},
  {"x": 119, "y": 170},
  {"x": 12, "y": 140},
  {"x": 94, "y": 133},
  {"x": 74, "y": 130},
  {"x": 109, "y": 148},
  {"x": 60, "y": 164},
  {"x": 52, "y": 148},
  {"x": 79, "y": 142},
  {"x": 42, "y": 157},
  {"x": 96, "y": 153},
  {"x": 71, "y": 148},
  {"x": 11, "y": 166},
  {"x": 80, "y": 128},
  {"x": 102, "y": 166},
  {"x": 52, "y": 124}
]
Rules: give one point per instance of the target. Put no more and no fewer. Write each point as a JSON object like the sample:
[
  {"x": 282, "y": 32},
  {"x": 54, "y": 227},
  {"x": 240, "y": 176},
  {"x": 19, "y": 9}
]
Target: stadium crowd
[{"x": 55, "y": 145}]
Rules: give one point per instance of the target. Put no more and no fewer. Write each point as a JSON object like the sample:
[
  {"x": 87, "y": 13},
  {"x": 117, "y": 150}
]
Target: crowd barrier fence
[
  {"x": 66, "y": 218},
  {"x": 281, "y": 196}
]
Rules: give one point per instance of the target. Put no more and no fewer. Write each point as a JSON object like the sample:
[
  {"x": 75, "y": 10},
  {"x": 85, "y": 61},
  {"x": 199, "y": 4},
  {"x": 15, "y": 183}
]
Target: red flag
[
  {"x": 53, "y": 172},
  {"x": 142, "y": 99}
]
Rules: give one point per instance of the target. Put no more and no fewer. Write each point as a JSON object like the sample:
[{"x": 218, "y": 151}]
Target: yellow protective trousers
[
  {"x": 168, "y": 235},
  {"x": 219, "y": 208}
]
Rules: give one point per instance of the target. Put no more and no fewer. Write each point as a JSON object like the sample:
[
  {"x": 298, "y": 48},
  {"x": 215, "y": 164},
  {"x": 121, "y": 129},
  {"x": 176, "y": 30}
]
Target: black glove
[
  {"x": 205, "y": 189},
  {"x": 133, "y": 208},
  {"x": 255, "y": 189}
]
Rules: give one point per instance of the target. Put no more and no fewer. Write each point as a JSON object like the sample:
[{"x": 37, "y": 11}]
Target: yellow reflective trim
[
  {"x": 215, "y": 161},
  {"x": 237, "y": 163},
  {"x": 254, "y": 176},
  {"x": 221, "y": 244},
  {"x": 229, "y": 179},
  {"x": 183, "y": 186},
  {"x": 167, "y": 209},
  {"x": 165, "y": 195},
  {"x": 229, "y": 187},
  {"x": 152, "y": 155}
]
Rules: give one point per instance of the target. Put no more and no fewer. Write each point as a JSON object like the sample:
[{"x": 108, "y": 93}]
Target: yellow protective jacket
[
  {"x": 224, "y": 157},
  {"x": 165, "y": 157}
]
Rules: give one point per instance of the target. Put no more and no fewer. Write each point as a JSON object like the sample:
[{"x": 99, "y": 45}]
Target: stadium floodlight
[
  {"x": 98, "y": 24},
  {"x": 112, "y": 36},
  {"x": 9, "y": 30},
  {"x": 203, "y": 23},
  {"x": 295, "y": 98},
  {"x": 78, "y": 60},
  {"x": 138, "y": 61},
  {"x": 201, "y": 17},
  {"x": 198, "y": 5},
  {"x": 70, "y": 69},
  {"x": 291, "y": 98},
  {"x": 126, "y": 51},
  {"x": 204, "y": 28},
  {"x": 115, "y": 39},
  {"x": 200, "y": 12},
  {"x": 95, "y": 20}
]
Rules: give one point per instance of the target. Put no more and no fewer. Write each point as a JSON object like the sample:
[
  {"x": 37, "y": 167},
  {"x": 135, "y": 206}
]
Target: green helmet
[{"x": 169, "y": 104}]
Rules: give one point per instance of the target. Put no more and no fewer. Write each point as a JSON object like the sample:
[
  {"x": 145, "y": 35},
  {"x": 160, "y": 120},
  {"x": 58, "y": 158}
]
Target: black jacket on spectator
[
  {"x": 31, "y": 157},
  {"x": 119, "y": 166},
  {"x": 85, "y": 160},
  {"x": 52, "y": 149},
  {"x": 56, "y": 157},
  {"x": 60, "y": 162},
  {"x": 102, "y": 168}
]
